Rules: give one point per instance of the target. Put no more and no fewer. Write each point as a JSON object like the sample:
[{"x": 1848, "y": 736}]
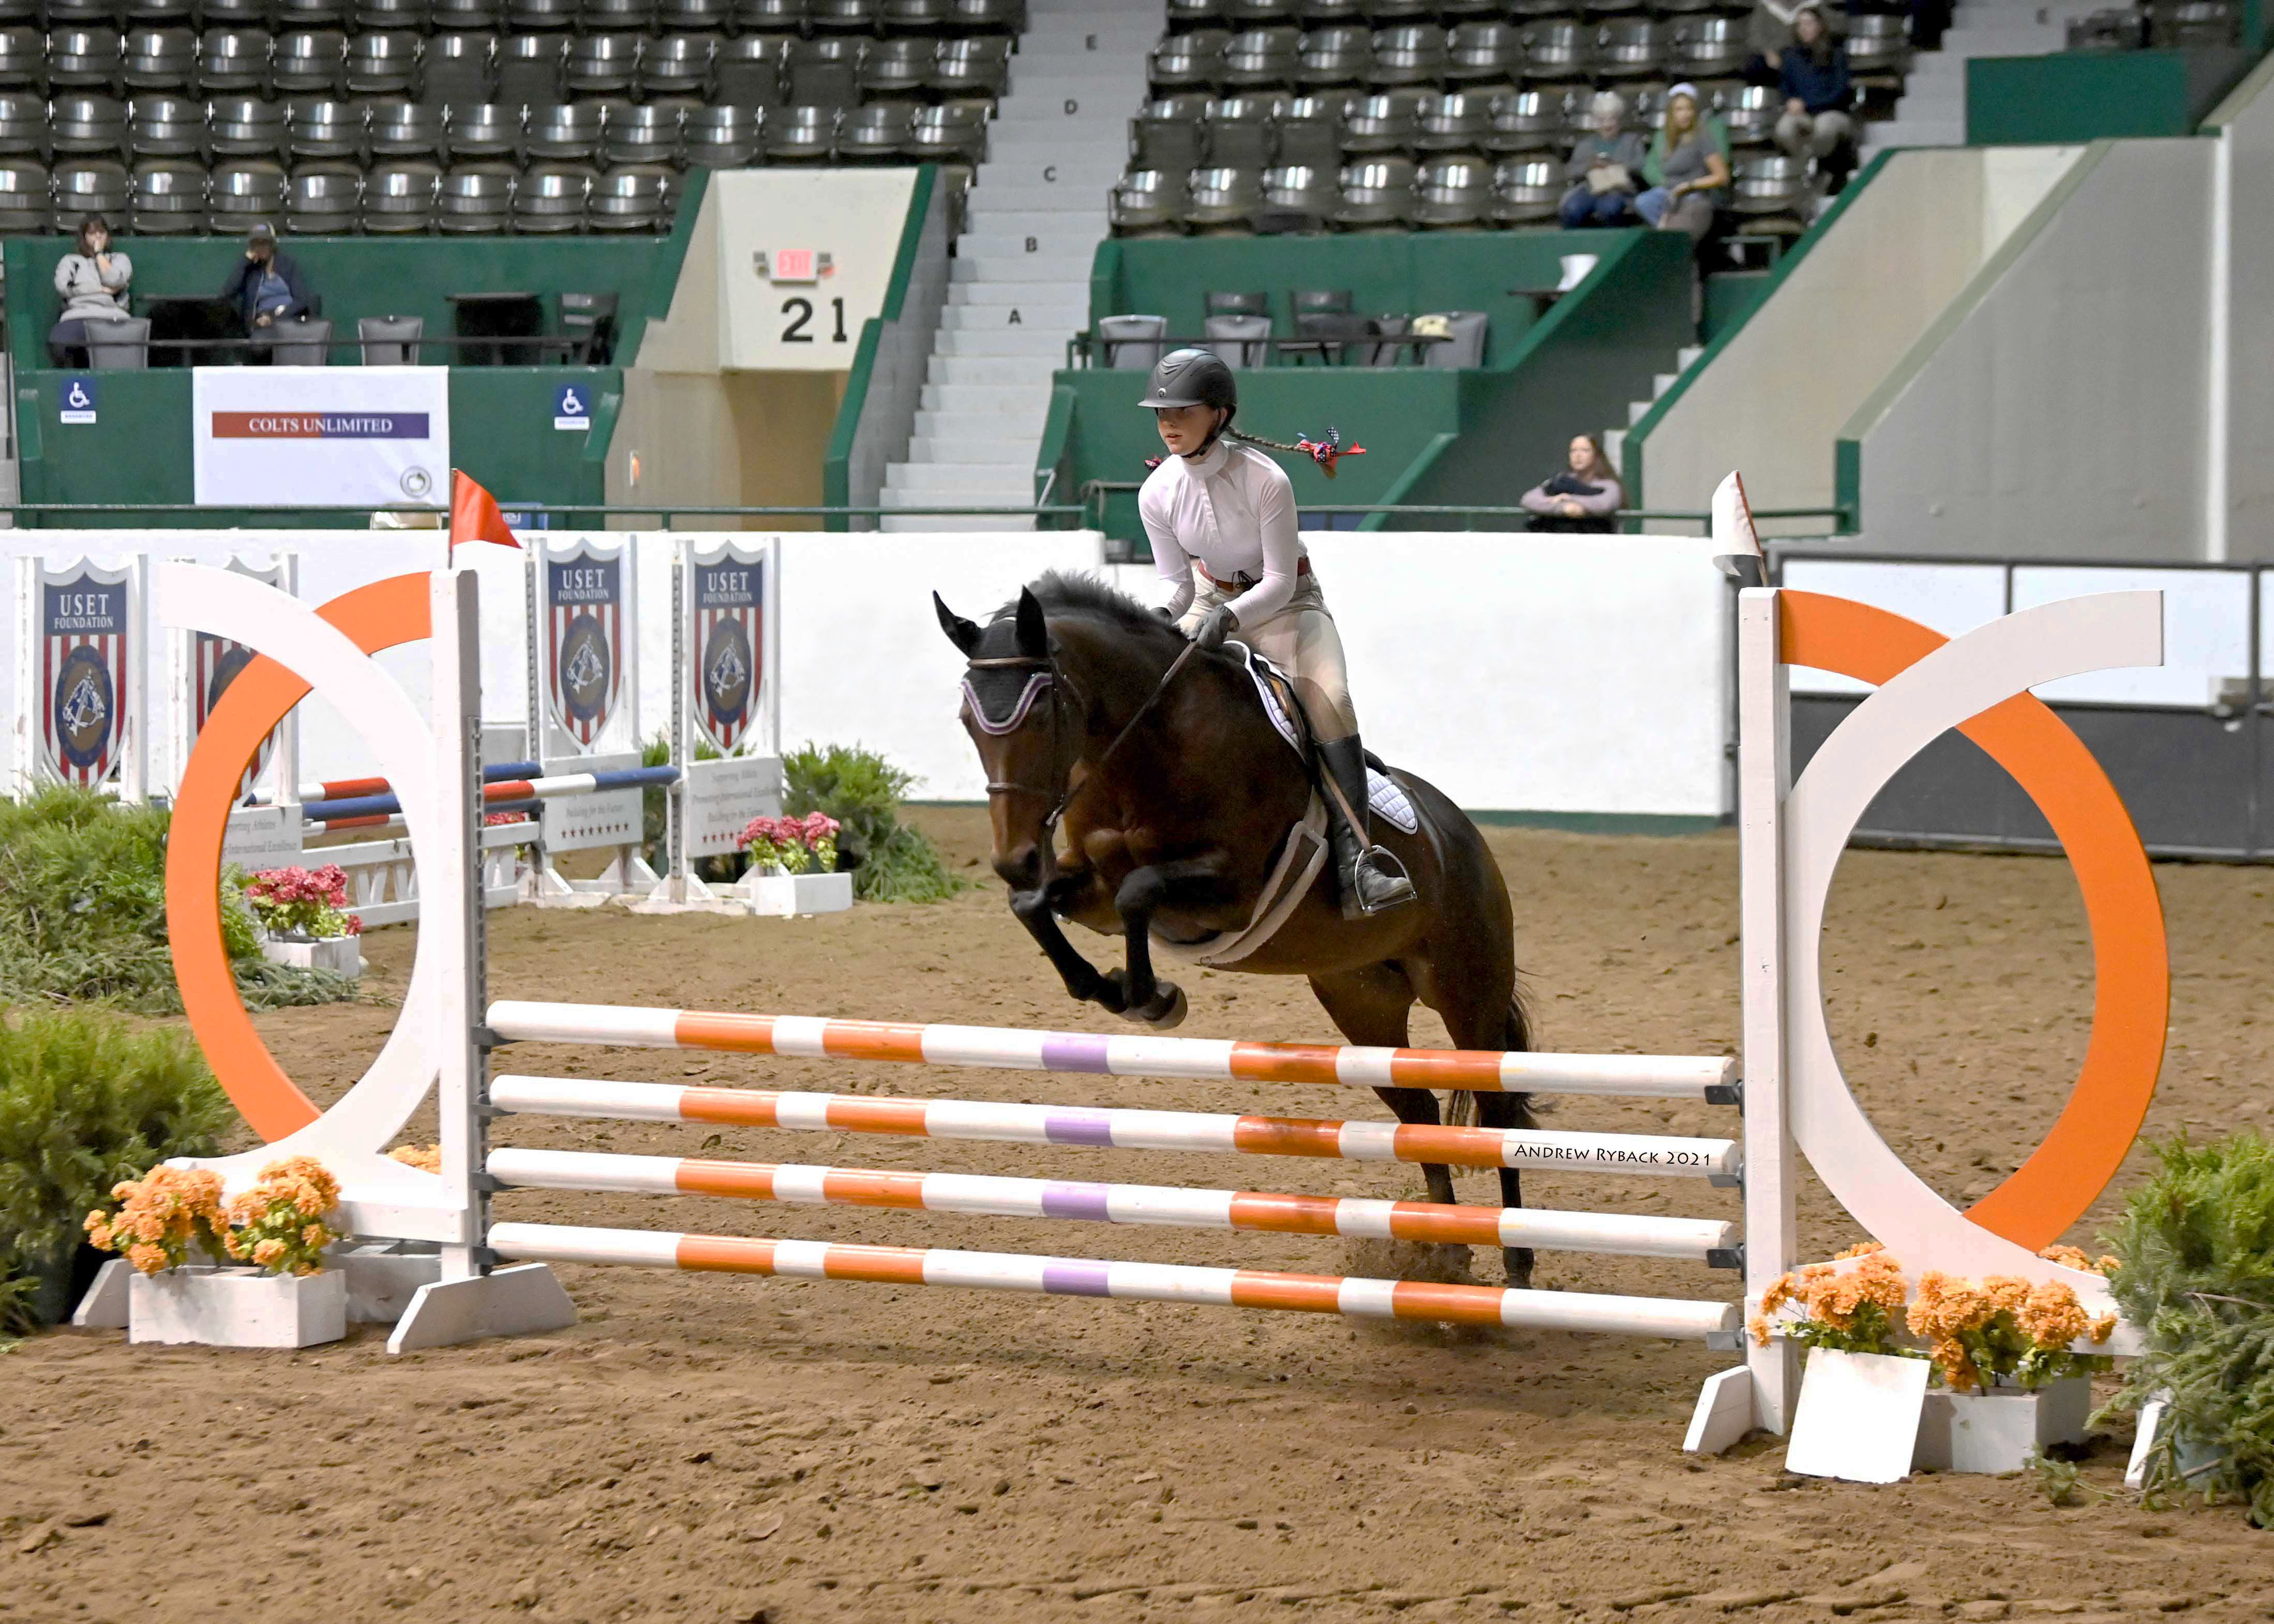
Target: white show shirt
[{"x": 1232, "y": 510}]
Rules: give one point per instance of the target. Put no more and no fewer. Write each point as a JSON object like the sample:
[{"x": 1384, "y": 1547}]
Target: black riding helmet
[{"x": 1191, "y": 377}]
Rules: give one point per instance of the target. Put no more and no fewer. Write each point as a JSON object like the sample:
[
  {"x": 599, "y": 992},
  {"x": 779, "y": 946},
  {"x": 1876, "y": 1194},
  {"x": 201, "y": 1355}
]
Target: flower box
[
  {"x": 1997, "y": 1429},
  {"x": 237, "y": 1308},
  {"x": 341, "y": 955},
  {"x": 782, "y": 895},
  {"x": 1858, "y": 1416}
]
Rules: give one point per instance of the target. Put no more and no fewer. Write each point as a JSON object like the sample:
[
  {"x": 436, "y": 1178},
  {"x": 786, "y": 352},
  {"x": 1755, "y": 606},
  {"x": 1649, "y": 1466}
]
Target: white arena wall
[{"x": 1570, "y": 676}]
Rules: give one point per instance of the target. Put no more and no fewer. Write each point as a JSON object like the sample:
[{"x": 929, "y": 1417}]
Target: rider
[{"x": 1221, "y": 516}]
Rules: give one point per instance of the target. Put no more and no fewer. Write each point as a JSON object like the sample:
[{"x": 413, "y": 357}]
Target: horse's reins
[{"x": 1048, "y": 664}]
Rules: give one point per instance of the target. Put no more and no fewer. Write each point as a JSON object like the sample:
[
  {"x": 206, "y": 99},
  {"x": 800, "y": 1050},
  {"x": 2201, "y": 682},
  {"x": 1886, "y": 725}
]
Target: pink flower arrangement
[
  {"x": 303, "y": 902},
  {"x": 793, "y": 844}
]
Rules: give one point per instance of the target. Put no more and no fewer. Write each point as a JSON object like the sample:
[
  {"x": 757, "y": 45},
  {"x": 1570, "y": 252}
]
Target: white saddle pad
[{"x": 1384, "y": 795}]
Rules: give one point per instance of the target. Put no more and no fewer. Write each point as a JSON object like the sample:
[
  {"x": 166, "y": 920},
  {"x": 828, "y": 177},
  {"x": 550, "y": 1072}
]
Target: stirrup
[{"x": 1377, "y": 882}]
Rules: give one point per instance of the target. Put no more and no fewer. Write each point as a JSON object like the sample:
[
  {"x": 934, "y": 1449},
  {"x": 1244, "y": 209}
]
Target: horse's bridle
[{"x": 1048, "y": 678}]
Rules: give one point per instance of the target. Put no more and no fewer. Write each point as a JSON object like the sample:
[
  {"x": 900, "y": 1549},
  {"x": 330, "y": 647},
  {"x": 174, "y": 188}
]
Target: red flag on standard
[{"x": 474, "y": 514}]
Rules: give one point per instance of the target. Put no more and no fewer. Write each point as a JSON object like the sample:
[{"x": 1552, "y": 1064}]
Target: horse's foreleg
[
  {"x": 1196, "y": 882},
  {"x": 1507, "y": 1110},
  {"x": 1034, "y": 910}
]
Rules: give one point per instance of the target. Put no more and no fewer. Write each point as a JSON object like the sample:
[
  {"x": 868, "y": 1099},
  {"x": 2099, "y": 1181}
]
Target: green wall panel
[
  {"x": 139, "y": 449},
  {"x": 1476, "y": 438},
  {"x": 2094, "y": 95},
  {"x": 369, "y": 276}
]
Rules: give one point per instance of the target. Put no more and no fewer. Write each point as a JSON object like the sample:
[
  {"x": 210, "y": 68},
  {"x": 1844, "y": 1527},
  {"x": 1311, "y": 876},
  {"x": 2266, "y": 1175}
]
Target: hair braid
[{"x": 1257, "y": 439}]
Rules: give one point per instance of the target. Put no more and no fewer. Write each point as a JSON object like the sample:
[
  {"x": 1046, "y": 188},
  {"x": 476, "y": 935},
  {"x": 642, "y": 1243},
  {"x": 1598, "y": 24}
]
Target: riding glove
[{"x": 1220, "y": 624}]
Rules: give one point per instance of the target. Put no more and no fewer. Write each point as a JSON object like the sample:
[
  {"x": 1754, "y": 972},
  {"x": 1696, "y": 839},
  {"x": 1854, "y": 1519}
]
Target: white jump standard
[{"x": 495, "y": 1278}]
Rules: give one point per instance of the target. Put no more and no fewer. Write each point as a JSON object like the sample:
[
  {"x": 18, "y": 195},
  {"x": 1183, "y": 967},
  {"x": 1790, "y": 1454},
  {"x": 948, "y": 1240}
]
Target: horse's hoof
[{"x": 1166, "y": 1010}]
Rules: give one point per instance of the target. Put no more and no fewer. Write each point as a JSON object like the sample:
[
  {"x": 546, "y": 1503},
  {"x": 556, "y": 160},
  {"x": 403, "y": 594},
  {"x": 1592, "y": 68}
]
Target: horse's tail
[{"x": 1516, "y": 1037}]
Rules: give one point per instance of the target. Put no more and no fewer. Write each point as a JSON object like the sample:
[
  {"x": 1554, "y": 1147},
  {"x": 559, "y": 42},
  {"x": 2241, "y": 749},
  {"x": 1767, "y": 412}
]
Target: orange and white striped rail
[
  {"x": 1143, "y": 1282},
  {"x": 1661, "y": 1154},
  {"x": 985, "y": 1196},
  {"x": 1671, "y": 1077}
]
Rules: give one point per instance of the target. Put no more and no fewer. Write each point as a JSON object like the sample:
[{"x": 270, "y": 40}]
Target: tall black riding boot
[{"x": 1370, "y": 876}]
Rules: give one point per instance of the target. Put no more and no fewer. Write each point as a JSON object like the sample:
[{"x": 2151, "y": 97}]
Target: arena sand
[{"x": 728, "y": 1451}]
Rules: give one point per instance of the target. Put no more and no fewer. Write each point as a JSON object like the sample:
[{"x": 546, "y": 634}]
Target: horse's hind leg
[
  {"x": 1481, "y": 1022},
  {"x": 1371, "y": 1006}
]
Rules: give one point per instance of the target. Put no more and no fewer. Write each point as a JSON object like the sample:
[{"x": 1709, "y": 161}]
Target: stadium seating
[
  {"x": 1308, "y": 114},
  {"x": 412, "y": 115}
]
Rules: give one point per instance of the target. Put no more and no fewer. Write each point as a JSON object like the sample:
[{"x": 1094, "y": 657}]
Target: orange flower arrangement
[
  {"x": 1854, "y": 1311},
  {"x": 159, "y": 1215},
  {"x": 2072, "y": 1257},
  {"x": 280, "y": 1220},
  {"x": 426, "y": 1158},
  {"x": 2005, "y": 1328}
]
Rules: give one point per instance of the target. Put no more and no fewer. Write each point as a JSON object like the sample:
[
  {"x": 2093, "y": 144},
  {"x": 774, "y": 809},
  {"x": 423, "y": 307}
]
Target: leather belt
[{"x": 1241, "y": 583}]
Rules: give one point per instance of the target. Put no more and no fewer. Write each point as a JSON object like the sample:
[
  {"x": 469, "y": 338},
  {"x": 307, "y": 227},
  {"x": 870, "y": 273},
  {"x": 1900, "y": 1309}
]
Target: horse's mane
[{"x": 1064, "y": 593}]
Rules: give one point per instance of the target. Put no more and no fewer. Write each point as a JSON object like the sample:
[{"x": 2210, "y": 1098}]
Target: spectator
[
  {"x": 267, "y": 287},
  {"x": 1688, "y": 168},
  {"x": 1582, "y": 498},
  {"x": 1605, "y": 170},
  {"x": 92, "y": 283},
  {"x": 1813, "y": 72}
]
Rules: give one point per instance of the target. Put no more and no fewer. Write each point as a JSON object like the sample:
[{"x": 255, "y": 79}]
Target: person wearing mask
[
  {"x": 92, "y": 282},
  {"x": 1582, "y": 498},
  {"x": 267, "y": 287},
  {"x": 1688, "y": 168},
  {"x": 1605, "y": 170},
  {"x": 1813, "y": 73}
]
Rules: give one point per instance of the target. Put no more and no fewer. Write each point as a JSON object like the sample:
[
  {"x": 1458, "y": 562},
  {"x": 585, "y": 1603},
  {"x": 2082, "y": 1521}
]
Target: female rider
[{"x": 1221, "y": 516}]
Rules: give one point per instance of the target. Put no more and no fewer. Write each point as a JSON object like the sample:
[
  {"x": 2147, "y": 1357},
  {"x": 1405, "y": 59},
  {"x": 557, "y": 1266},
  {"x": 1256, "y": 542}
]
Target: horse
[{"x": 1176, "y": 800}]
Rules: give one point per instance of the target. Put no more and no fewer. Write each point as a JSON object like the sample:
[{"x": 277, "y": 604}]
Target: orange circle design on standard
[
  {"x": 379, "y": 616},
  {"x": 2132, "y": 978}
]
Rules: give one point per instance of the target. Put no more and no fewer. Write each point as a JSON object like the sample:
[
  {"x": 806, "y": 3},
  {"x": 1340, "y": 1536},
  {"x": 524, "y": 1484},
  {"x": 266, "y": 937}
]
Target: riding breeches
[{"x": 1301, "y": 640}]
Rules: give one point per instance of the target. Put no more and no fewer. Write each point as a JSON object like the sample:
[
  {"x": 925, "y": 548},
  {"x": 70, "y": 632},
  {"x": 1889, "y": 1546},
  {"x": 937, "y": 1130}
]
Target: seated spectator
[
  {"x": 1605, "y": 170},
  {"x": 1817, "y": 122},
  {"x": 1688, "y": 168},
  {"x": 267, "y": 287},
  {"x": 1582, "y": 498},
  {"x": 92, "y": 283}
]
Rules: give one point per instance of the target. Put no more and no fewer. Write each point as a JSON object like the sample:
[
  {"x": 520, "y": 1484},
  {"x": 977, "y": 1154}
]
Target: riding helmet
[{"x": 1190, "y": 377}]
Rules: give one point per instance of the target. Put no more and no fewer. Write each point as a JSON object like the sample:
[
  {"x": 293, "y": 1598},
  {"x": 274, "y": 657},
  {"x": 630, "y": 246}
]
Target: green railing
[{"x": 1088, "y": 512}]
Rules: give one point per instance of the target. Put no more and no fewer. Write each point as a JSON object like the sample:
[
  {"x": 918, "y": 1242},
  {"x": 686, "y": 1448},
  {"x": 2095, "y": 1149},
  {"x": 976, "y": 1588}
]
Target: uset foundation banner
[{"x": 322, "y": 436}]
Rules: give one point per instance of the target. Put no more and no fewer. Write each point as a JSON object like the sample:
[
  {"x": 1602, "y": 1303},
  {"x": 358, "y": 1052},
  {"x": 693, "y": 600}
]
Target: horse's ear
[
  {"x": 1034, "y": 631},
  {"x": 961, "y": 632}
]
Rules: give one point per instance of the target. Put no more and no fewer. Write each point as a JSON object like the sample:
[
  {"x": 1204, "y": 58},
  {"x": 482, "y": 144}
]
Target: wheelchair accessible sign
[
  {"x": 76, "y": 404},
  {"x": 572, "y": 407}
]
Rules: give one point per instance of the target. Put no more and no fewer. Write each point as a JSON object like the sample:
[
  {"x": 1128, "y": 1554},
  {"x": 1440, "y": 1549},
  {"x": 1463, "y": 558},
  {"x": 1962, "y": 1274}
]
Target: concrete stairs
[
  {"x": 1019, "y": 284},
  {"x": 1614, "y": 440},
  {"x": 1932, "y": 110}
]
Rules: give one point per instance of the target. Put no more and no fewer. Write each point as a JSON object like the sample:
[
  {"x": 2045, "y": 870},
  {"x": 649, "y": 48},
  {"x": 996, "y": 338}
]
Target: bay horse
[{"x": 1172, "y": 826}]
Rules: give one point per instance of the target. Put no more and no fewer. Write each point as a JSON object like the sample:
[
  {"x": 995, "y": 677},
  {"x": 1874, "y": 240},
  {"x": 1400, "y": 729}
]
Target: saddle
[{"x": 1303, "y": 853}]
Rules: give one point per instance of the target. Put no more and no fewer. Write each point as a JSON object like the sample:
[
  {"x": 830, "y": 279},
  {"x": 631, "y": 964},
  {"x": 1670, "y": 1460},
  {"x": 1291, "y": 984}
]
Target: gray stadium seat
[
  {"x": 1558, "y": 48},
  {"x": 1530, "y": 120},
  {"x": 1377, "y": 193},
  {"x": 321, "y": 201},
  {"x": 474, "y": 198},
  {"x": 549, "y": 199},
  {"x": 26, "y": 206},
  {"x": 1455, "y": 191},
  {"x": 1526, "y": 190},
  {"x": 636, "y": 199},
  {"x": 1129, "y": 344},
  {"x": 1239, "y": 341},
  {"x": 567, "y": 133},
  {"x": 119, "y": 346},
  {"x": 720, "y": 138},
  {"x": 169, "y": 198},
  {"x": 161, "y": 59},
  {"x": 1334, "y": 58},
  {"x": 398, "y": 197},
  {"x": 164, "y": 126},
  {"x": 305, "y": 340},
  {"x": 800, "y": 135},
  {"x": 876, "y": 132},
  {"x": 242, "y": 191},
  {"x": 382, "y": 64},
  {"x": 405, "y": 130},
  {"x": 309, "y": 63},
  {"x": 1219, "y": 199},
  {"x": 1147, "y": 203}
]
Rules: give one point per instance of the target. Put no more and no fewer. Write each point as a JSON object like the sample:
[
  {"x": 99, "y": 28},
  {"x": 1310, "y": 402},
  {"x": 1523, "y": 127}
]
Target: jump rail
[
  {"x": 1696, "y": 1240},
  {"x": 1139, "y": 1282},
  {"x": 1664, "y": 1155},
  {"x": 1710, "y": 1078}
]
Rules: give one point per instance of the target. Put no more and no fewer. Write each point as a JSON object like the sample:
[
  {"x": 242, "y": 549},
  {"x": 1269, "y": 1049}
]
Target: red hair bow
[{"x": 1325, "y": 451}]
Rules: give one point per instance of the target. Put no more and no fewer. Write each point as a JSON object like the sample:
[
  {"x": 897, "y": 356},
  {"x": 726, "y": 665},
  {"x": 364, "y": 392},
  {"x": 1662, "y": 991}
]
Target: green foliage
[
  {"x": 2197, "y": 1242},
  {"x": 83, "y": 912},
  {"x": 862, "y": 791},
  {"x": 85, "y": 1101}
]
